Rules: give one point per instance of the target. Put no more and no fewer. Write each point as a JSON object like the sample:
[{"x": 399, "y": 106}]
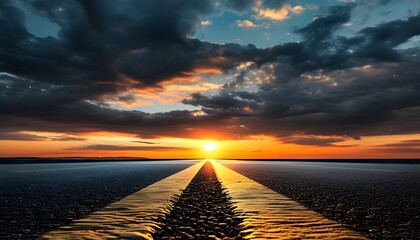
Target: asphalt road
[
  {"x": 380, "y": 200},
  {"x": 36, "y": 198}
]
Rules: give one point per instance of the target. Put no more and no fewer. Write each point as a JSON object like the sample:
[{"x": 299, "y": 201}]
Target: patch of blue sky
[
  {"x": 413, "y": 42},
  {"x": 224, "y": 28},
  {"x": 40, "y": 26}
]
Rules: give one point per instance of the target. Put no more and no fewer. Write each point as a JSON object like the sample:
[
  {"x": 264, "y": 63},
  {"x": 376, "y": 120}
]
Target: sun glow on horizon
[
  {"x": 110, "y": 144},
  {"x": 210, "y": 147}
]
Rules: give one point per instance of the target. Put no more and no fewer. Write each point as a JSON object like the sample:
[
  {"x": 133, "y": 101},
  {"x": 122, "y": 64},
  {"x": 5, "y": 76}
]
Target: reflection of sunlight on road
[{"x": 270, "y": 215}]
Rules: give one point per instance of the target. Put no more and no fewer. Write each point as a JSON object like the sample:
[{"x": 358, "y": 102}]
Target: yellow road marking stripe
[
  {"x": 133, "y": 217},
  {"x": 270, "y": 215}
]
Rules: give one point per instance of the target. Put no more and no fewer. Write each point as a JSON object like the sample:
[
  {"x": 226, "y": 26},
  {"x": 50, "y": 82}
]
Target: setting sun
[{"x": 210, "y": 147}]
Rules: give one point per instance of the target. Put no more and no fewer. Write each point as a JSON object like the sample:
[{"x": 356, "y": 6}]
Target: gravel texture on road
[{"x": 203, "y": 211}]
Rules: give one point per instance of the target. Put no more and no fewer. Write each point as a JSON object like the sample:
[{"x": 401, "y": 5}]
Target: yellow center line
[
  {"x": 270, "y": 215},
  {"x": 133, "y": 217}
]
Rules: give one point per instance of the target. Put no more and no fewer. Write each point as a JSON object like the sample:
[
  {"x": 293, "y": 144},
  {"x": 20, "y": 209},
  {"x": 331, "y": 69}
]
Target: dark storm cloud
[
  {"x": 323, "y": 26},
  {"x": 223, "y": 103},
  {"x": 314, "y": 141},
  {"x": 31, "y": 107},
  {"x": 105, "y": 46},
  {"x": 330, "y": 85},
  {"x": 11, "y": 24},
  {"x": 18, "y": 136},
  {"x": 376, "y": 100},
  {"x": 321, "y": 49},
  {"x": 13, "y": 136},
  {"x": 379, "y": 42},
  {"x": 130, "y": 148},
  {"x": 144, "y": 142},
  {"x": 66, "y": 138},
  {"x": 324, "y": 86},
  {"x": 396, "y": 150},
  {"x": 404, "y": 143}
]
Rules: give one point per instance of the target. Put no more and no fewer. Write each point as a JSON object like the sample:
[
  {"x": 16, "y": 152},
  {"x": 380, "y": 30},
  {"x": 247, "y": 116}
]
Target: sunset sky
[{"x": 166, "y": 78}]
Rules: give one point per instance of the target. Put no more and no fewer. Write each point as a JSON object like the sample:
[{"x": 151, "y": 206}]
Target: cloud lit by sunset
[{"x": 261, "y": 79}]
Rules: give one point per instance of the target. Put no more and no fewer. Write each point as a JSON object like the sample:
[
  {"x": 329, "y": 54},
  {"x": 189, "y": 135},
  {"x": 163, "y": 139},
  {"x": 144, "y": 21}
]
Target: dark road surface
[
  {"x": 36, "y": 198},
  {"x": 380, "y": 200},
  {"x": 203, "y": 211}
]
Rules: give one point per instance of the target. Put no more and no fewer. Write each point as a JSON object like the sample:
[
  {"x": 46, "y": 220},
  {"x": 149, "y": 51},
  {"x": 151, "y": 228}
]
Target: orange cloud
[
  {"x": 277, "y": 14},
  {"x": 206, "y": 23},
  {"x": 194, "y": 76},
  {"x": 297, "y": 9},
  {"x": 171, "y": 93},
  {"x": 207, "y": 71}
]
